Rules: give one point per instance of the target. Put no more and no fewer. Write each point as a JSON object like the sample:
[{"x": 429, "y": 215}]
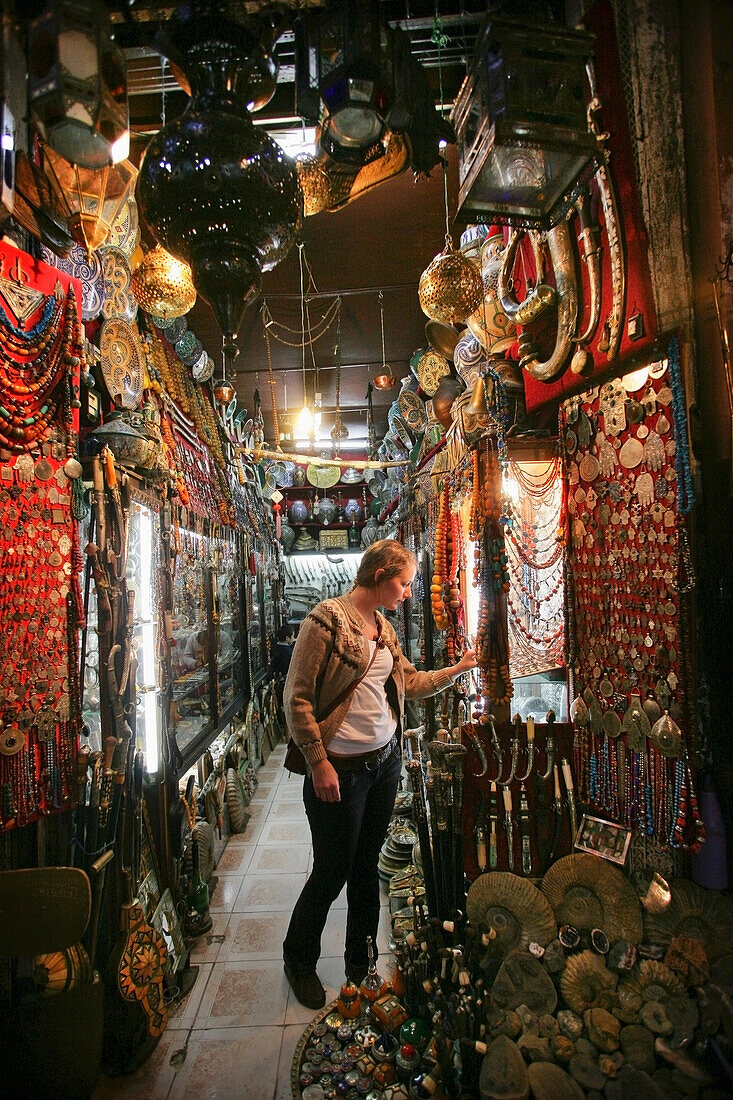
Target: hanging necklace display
[
  {"x": 626, "y": 596},
  {"x": 40, "y": 605},
  {"x": 36, "y": 372},
  {"x": 22, "y": 300},
  {"x": 534, "y": 556}
]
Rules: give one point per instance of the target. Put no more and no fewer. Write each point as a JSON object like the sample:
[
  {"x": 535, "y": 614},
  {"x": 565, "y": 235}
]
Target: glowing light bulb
[{"x": 304, "y": 424}]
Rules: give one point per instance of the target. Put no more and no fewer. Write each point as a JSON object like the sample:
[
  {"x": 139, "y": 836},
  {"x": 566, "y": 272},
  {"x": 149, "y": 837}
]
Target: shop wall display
[
  {"x": 41, "y": 353},
  {"x": 629, "y": 577}
]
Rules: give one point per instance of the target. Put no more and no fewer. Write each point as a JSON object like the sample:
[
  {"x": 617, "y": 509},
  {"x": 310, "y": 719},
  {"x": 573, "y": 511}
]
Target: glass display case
[
  {"x": 143, "y": 566},
  {"x": 253, "y": 599},
  {"x": 269, "y": 619},
  {"x": 229, "y": 620},
  {"x": 192, "y": 649}
]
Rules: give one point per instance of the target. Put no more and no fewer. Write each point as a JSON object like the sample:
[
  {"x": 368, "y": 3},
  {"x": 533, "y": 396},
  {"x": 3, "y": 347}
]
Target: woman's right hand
[{"x": 326, "y": 782}]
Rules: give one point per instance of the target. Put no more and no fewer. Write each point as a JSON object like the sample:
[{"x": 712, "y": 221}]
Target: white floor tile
[{"x": 241, "y": 1023}]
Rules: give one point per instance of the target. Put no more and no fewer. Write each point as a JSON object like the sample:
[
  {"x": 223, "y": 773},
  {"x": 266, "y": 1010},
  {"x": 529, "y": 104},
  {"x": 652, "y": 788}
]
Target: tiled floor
[{"x": 240, "y": 1021}]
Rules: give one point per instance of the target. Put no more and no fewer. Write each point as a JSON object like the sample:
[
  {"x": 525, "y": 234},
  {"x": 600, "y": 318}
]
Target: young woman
[{"x": 344, "y": 698}]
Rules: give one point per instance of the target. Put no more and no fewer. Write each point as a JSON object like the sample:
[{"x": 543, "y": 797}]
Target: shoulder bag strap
[{"x": 352, "y": 687}]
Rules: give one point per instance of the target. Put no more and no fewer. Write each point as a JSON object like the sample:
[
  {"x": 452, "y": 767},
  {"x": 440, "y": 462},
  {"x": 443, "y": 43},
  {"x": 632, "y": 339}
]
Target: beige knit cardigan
[{"x": 330, "y": 653}]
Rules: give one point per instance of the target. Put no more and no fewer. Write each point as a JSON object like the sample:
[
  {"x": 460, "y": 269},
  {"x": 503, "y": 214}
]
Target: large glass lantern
[
  {"x": 77, "y": 84},
  {"x": 524, "y": 147}
]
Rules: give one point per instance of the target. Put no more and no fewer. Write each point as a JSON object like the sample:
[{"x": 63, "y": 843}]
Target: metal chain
[
  {"x": 315, "y": 332},
  {"x": 271, "y": 376}
]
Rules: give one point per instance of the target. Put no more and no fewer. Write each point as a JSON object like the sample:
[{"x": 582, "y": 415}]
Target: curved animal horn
[
  {"x": 540, "y": 298},
  {"x": 562, "y": 257}
]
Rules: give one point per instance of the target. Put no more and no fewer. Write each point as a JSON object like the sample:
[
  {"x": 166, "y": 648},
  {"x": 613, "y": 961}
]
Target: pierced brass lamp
[{"x": 163, "y": 285}]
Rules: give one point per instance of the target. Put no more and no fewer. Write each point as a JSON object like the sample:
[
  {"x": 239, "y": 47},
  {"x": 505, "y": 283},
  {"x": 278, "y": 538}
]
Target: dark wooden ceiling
[{"x": 381, "y": 241}]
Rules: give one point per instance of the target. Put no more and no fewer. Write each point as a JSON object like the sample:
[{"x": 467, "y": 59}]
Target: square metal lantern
[
  {"x": 524, "y": 146},
  {"x": 341, "y": 80},
  {"x": 77, "y": 83}
]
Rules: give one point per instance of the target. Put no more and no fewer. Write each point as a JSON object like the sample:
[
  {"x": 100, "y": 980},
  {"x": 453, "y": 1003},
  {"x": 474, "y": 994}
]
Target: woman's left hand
[{"x": 466, "y": 663}]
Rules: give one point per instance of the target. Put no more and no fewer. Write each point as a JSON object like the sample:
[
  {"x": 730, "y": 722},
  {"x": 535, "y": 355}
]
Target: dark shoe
[
  {"x": 356, "y": 974},
  {"x": 307, "y": 988}
]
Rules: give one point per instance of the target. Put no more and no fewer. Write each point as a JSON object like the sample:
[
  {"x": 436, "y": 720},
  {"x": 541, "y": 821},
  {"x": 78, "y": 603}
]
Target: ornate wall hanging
[
  {"x": 628, "y": 575},
  {"x": 40, "y": 358}
]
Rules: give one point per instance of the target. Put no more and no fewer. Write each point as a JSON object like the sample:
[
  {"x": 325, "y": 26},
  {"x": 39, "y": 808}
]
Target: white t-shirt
[{"x": 370, "y": 721}]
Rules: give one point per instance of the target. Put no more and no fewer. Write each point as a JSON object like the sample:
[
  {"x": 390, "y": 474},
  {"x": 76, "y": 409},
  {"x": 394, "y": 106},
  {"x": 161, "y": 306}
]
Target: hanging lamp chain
[
  {"x": 440, "y": 41},
  {"x": 381, "y": 323},
  {"x": 301, "y": 246},
  {"x": 338, "y": 366},
  {"x": 271, "y": 375}
]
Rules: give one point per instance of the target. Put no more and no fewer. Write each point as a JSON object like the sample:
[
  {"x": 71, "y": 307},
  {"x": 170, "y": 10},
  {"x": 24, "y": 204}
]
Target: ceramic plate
[
  {"x": 122, "y": 362},
  {"x": 203, "y": 368},
  {"x": 413, "y": 411},
  {"x": 87, "y": 270},
  {"x": 125, "y": 232},
  {"x": 194, "y": 354},
  {"x": 284, "y": 473},
  {"x": 175, "y": 330},
  {"x": 402, "y": 432},
  {"x": 430, "y": 369},
  {"x": 468, "y": 355},
  {"x": 119, "y": 300}
]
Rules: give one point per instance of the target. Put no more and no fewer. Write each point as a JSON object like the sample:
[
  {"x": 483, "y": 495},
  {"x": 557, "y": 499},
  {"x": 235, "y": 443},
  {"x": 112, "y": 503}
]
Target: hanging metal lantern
[
  {"x": 90, "y": 200},
  {"x": 341, "y": 81},
  {"x": 451, "y": 287},
  {"x": 163, "y": 285},
  {"x": 314, "y": 183},
  {"x": 339, "y": 431},
  {"x": 77, "y": 84},
  {"x": 215, "y": 190},
  {"x": 524, "y": 147}
]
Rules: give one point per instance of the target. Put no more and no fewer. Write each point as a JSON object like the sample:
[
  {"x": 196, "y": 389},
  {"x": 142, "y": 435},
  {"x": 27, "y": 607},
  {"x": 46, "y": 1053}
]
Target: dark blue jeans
[{"x": 347, "y": 837}]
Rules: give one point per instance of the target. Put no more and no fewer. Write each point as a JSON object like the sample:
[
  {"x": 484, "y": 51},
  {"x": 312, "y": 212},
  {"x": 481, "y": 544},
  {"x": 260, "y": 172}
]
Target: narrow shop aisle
[{"x": 241, "y": 1021}]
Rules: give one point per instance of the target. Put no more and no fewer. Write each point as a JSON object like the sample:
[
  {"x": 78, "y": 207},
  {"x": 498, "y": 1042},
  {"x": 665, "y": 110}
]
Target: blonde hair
[{"x": 388, "y": 555}]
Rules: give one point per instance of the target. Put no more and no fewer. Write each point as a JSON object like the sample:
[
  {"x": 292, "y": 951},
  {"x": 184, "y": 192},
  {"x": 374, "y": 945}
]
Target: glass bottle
[{"x": 354, "y": 536}]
